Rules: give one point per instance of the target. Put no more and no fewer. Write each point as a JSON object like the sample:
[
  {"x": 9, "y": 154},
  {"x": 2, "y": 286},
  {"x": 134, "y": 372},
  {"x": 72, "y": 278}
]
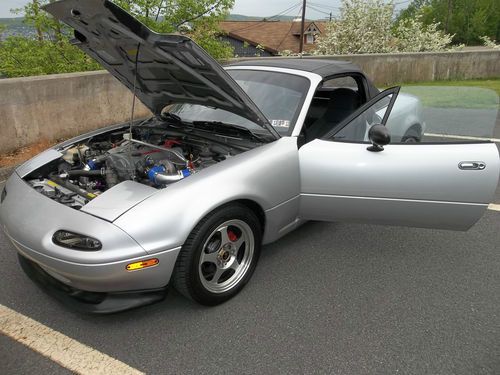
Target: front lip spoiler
[{"x": 90, "y": 302}]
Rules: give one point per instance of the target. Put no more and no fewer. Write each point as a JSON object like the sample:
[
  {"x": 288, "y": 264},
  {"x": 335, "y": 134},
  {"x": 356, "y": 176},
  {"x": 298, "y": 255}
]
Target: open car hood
[{"x": 170, "y": 68}]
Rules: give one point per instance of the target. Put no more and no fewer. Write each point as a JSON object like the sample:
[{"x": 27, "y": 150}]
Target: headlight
[{"x": 76, "y": 241}]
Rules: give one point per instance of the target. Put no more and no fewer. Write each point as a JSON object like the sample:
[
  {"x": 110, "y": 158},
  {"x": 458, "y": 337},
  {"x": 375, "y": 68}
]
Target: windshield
[{"x": 279, "y": 96}]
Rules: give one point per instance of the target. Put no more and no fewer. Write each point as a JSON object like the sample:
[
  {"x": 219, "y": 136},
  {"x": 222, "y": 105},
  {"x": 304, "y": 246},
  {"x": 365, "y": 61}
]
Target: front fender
[{"x": 268, "y": 175}]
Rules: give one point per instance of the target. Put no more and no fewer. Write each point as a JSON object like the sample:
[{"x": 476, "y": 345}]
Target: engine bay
[{"x": 148, "y": 155}]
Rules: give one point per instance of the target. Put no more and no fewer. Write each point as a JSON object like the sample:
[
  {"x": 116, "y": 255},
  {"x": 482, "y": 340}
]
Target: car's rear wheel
[
  {"x": 219, "y": 256},
  {"x": 413, "y": 135}
]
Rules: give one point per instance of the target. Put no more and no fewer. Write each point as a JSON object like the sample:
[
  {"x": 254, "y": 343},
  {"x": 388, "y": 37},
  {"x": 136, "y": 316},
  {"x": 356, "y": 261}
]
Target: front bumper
[
  {"x": 30, "y": 219},
  {"x": 90, "y": 302}
]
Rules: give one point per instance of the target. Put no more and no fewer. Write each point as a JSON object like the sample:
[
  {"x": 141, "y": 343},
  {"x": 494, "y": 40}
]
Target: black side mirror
[{"x": 379, "y": 137}]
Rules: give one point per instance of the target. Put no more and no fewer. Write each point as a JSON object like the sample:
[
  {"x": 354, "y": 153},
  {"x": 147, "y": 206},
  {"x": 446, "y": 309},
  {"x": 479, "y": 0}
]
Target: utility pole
[
  {"x": 302, "y": 25},
  {"x": 448, "y": 11}
]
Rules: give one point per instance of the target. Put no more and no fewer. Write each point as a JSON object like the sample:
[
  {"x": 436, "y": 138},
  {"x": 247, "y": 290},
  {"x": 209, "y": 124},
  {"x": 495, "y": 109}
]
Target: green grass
[
  {"x": 472, "y": 94},
  {"x": 492, "y": 84}
]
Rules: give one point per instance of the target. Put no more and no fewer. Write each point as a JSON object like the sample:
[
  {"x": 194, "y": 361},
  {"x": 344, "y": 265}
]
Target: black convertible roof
[{"x": 323, "y": 67}]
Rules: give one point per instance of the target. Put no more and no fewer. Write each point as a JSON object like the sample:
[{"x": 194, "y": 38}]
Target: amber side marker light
[{"x": 142, "y": 264}]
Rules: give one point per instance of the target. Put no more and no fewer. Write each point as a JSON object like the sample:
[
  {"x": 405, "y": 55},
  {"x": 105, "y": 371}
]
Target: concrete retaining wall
[
  {"x": 387, "y": 69},
  {"x": 60, "y": 106},
  {"x": 420, "y": 67}
]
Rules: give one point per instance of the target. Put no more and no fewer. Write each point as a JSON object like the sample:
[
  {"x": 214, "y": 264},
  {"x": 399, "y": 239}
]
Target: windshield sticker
[{"x": 280, "y": 123}]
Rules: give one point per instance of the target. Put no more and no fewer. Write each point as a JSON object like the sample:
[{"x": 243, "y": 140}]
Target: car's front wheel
[{"x": 219, "y": 256}]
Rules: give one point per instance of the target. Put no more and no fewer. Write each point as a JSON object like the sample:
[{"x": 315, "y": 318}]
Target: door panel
[
  {"x": 400, "y": 212},
  {"x": 406, "y": 184}
]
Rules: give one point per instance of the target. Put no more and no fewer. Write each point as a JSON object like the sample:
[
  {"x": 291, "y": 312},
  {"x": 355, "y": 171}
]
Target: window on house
[{"x": 309, "y": 39}]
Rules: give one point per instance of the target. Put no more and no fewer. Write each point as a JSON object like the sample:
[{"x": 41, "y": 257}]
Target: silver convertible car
[{"x": 233, "y": 158}]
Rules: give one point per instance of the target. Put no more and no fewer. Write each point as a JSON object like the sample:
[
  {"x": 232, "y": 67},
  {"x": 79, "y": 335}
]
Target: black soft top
[{"x": 323, "y": 67}]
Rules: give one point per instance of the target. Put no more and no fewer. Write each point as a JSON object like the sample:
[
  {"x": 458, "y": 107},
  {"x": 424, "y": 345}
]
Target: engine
[{"x": 89, "y": 168}]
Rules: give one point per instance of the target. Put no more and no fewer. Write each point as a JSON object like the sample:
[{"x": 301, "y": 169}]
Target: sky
[
  {"x": 260, "y": 8},
  {"x": 6, "y": 5},
  {"x": 317, "y": 9}
]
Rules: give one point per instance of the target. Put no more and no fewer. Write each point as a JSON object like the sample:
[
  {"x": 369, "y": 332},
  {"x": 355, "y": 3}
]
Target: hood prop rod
[
  {"x": 135, "y": 88},
  {"x": 130, "y": 138}
]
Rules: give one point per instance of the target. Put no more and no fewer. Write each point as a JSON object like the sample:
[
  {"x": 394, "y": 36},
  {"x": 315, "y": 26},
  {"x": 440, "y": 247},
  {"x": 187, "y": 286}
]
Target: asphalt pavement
[{"x": 328, "y": 298}]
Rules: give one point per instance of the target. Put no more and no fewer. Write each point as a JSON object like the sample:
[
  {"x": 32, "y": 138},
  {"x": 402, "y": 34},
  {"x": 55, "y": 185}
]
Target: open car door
[{"x": 433, "y": 185}]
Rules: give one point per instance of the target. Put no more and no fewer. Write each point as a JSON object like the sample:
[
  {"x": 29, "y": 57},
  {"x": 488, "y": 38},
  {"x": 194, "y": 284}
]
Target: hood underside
[{"x": 163, "y": 68}]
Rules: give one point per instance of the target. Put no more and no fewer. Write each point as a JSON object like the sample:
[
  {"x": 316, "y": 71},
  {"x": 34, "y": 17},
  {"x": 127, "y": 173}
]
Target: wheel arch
[
  {"x": 416, "y": 129},
  {"x": 251, "y": 204},
  {"x": 415, "y": 126}
]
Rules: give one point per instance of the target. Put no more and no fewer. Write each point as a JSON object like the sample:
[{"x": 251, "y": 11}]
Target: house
[{"x": 269, "y": 38}]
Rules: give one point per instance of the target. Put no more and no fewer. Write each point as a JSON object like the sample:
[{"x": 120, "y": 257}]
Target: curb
[{"x": 6, "y": 172}]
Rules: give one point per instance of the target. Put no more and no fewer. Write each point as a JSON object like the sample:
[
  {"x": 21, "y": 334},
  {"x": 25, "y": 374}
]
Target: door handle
[{"x": 472, "y": 165}]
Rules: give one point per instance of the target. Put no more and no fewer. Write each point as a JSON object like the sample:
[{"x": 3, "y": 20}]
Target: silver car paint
[
  {"x": 268, "y": 176},
  {"x": 29, "y": 220},
  {"x": 119, "y": 199},
  {"x": 105, "y": 277},
  {"x": 407, "y": 184},
  {"x": 36, "y": 162}
]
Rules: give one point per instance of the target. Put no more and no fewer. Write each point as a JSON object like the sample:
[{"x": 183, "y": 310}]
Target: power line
[
  {"x": 288, "y": 32},
  {"x": 201, "y": 14},
  {"x": 282, "y": 13},
  {"x": 324, "y": 6},
  {"x": 318, "y": 10}
]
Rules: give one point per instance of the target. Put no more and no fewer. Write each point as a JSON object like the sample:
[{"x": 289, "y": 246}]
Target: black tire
[
  {"x": 413, "y": 135},
  {"x": 410, "y": 139},
  {"x": 187, "y": 277}
]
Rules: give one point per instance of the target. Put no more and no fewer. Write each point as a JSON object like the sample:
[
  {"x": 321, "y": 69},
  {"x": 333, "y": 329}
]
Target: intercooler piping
[
  {"x": 157, "y": 174},
  {"x": 167, "y": 178}
]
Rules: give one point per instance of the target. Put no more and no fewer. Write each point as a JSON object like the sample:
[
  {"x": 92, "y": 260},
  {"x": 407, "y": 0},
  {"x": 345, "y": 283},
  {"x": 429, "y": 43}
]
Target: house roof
[{"x": 274, "y": 36}]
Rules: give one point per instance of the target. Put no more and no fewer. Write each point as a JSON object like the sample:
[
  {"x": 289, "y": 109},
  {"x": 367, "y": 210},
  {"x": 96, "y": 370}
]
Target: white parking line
[
  {"x": 494, "y": 207},
  {"x": 465, "y": 137},
  {"x": 65, "y": 351}
]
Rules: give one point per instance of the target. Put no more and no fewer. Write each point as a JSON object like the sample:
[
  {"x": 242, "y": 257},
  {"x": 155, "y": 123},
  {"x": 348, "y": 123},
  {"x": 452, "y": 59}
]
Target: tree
[
  {"x": 467, "y": 20},
  {"x": 20, "y": 57},
  {"x": 46, "y": 26},
  {"x": 366, "y": 26},
  {"x": 50, "y": 52},
  {"x": 412, "y": 35},
  {"x": 201, "y": 16}
]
